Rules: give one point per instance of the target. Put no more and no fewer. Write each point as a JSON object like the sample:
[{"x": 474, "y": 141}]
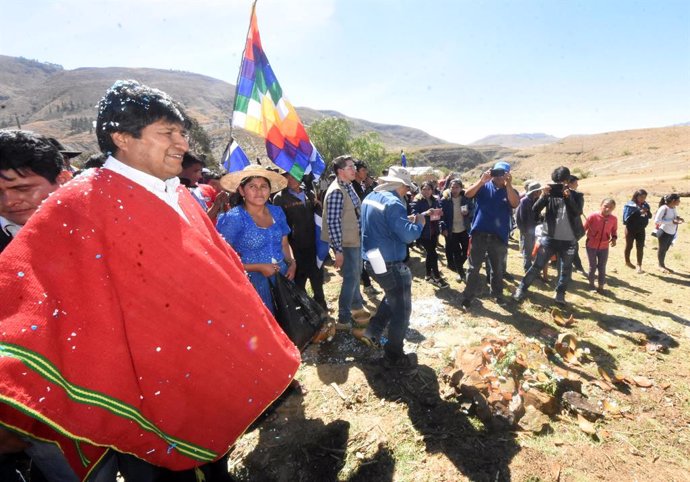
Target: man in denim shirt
[{"x": 386, "y": 231}]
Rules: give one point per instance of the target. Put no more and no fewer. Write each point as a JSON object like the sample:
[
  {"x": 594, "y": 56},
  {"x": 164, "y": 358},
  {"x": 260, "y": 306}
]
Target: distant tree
[
  {"x": 200, "y": 142},
  {"x": 331, "y": 136},
  {"x": 368, "y": 148}
]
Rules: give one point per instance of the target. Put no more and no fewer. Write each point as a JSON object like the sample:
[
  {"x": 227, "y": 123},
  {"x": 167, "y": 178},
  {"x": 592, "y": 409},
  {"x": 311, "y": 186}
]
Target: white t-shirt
[{"x": 664, "y": 218}]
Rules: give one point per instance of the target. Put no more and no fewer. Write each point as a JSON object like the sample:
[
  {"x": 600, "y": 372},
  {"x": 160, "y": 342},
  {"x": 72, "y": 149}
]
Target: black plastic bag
[{"x": 298, "y": 315}]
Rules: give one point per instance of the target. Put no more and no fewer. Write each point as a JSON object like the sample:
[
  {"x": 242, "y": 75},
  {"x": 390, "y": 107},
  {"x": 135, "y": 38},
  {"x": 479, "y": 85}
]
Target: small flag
[
  {"x": 261, "y": 108},
  {"x": 321, "y": 246},
  {"x": 403, "y": 159},
  {"x": 234, "y": 158}
]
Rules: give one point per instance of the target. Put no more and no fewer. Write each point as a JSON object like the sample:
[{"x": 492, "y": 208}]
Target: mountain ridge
[{"x": 48, "y": 98}]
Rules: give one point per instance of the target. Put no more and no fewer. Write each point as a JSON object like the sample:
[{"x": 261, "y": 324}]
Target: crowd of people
[{"x": 137, "y": 305}]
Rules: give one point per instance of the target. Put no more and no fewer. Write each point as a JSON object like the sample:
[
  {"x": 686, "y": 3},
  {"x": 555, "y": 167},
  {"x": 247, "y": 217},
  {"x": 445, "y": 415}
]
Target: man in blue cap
[{"x": 495, "y": 199}]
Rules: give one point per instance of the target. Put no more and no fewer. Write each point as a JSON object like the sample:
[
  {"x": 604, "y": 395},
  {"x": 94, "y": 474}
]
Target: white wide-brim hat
[{"x": 232, "y": 180}]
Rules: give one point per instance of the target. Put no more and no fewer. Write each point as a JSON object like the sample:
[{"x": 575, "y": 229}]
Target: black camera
[
  {"x": 556, "y": 190},
  {"x": 498, "y": 172}
]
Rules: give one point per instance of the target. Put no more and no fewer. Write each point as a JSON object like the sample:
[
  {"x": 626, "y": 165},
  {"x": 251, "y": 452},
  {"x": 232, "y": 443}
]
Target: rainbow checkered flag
[{"x": 261, "y": 108}]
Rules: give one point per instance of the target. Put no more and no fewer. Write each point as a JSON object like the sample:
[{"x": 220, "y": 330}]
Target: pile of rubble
[{"x": 514, "y": 384}]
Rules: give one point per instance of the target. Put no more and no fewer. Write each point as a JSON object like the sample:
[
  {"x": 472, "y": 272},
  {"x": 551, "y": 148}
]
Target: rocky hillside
[
  {"x": 518, "y": 141},
  {"x": 58, "y": 102},
  {"x": 616, "y": 163}
]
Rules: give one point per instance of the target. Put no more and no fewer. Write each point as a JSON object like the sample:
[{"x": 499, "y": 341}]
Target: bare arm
[
  {"x": 513, "y": 196},
  {"x": 472, "y": 191}
]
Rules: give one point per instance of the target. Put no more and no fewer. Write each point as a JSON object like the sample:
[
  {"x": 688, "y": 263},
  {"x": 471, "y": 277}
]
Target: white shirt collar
[
  {"x": 166, "y": 190},
  {"x": 149, "y": 182},
  {"x": 9, "y": 227}
]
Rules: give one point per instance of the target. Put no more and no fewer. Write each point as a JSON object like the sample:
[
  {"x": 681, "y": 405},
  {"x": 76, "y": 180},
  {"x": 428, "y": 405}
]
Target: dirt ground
[{"x": 353, "y": 420}]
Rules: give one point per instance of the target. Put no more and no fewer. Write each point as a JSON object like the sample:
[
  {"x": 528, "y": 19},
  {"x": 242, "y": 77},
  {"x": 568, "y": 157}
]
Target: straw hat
[
  {"x": 396, "y": 176},
  {"x": 232, "y": 180}
]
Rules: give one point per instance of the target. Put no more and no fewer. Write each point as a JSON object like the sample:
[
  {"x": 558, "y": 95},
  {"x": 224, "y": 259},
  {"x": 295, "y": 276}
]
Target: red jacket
[{"x": 601, "y": 230}]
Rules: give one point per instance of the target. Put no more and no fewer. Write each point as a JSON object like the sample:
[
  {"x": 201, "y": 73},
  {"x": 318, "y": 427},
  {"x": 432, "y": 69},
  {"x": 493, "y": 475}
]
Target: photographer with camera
[{"x": 563, "y": 230}]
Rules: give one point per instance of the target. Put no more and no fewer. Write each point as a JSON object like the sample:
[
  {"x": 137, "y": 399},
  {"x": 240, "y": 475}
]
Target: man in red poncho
[{"x": 109, "y": 351}]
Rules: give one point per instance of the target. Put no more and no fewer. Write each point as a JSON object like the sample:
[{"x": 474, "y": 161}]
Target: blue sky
[{"x": 458, "y": 69}]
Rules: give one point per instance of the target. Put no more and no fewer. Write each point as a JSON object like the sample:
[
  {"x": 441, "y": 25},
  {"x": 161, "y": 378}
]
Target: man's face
[
  {"x": 157, "y": 152},
  {"x": 348, "y": 173},
  {"x": 193, "y": 173},
  {"x": 362, "y": 174},
  {"x": 292, "y": 182},
  {"x": 499, "y": 181},
  {"x": 21, "y": 196}
]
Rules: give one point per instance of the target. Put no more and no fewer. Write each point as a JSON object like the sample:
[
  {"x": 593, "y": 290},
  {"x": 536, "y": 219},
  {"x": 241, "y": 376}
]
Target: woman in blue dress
[{"x": 256, "y": 229}]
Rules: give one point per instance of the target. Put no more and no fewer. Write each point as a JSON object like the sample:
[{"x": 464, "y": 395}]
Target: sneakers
[
  {"x": 438, "y": 282},
  {"x": 559, "y": 298},
  {"x": 640, "y": 270},
  {"x": 519, "y": 294},
  {"x": 500, "y": 300},
  {"x": 402, "y": 362},
  {"x": 370, "y": 290}
]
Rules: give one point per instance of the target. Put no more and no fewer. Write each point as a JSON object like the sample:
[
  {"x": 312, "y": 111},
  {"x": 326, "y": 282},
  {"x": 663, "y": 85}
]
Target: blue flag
[
  {"x": 403, "y": 159},
  {"x": 234, "y": 158},
  {"x": 321, "y": 246}
]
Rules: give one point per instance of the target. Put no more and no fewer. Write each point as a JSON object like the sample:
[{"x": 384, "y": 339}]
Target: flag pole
[{"x": 239, "y": 71}]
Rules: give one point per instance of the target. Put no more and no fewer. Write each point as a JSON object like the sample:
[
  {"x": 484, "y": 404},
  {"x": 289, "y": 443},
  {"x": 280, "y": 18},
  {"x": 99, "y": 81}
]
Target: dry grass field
[{"x": 355, "y": 421}]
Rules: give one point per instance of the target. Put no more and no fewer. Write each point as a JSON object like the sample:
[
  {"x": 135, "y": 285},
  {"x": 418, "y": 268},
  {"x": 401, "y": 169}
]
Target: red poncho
[{"x": 121, "y": 325}]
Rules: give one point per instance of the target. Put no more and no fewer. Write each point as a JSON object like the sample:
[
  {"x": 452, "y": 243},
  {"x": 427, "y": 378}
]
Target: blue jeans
[
  {"x": 549, "y": 246},
  {"x": 350, "y": 296},
  {"x": 527, "y": 239},
  {"x": 396, "y": 307},
  {"x": 493, "y": 247}
]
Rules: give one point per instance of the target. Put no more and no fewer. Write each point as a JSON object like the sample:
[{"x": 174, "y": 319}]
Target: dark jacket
[
  {"x": 420, "y": 205},
  {"x": 300, "y": 218},
  {"x": 4, "y": 240},
  {"x": 633, "y": 218},
  {"x": 447, "y": 206},
  {"x": 525, "y": 218},
  {"x": 360, "y": 189},
  {"x": 574, "y": 204}
]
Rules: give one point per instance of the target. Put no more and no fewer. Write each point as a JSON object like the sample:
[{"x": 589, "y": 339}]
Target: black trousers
[
  {"x": 457, "y": 245},
  {"x": 307, "y": 270},
  {"x": 636, "y": 237},
  {"x": 429, "y": 246}
]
